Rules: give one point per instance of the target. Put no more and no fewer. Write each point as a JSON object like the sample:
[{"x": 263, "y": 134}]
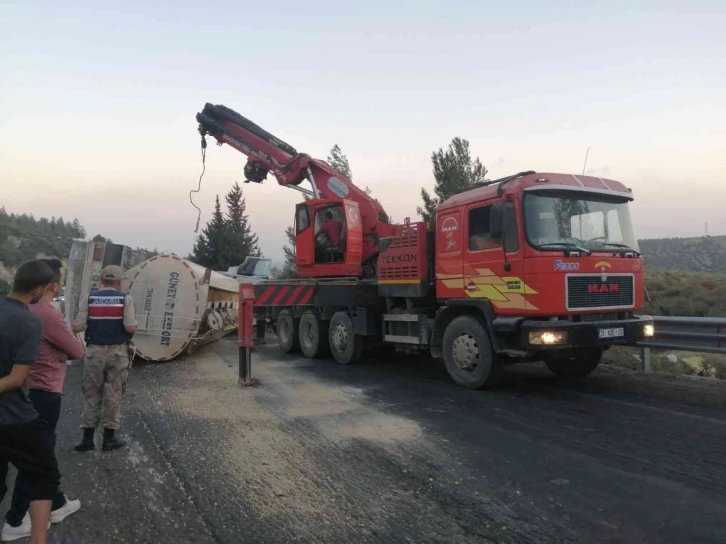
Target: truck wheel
[
  {"x": 286, "y": 327},
  {"x": 313, "y": 335},
  {"x": 575, "y": 365},
  {"x": 468, "y": 353},
  {"x": 345, "y": 345}
]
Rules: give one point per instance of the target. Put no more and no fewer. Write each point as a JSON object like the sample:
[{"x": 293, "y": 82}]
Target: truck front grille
[
  {"x": 599, "y": 317},
  {"x": 600, "y": 292}
]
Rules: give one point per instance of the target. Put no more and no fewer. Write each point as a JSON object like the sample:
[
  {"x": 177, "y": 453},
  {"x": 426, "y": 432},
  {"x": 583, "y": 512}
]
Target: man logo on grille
[{"x": 603, "y": 288}]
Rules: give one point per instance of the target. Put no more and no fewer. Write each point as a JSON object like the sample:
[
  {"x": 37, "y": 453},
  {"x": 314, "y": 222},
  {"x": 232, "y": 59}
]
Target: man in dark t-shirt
[{"x": 22, "y": 439}]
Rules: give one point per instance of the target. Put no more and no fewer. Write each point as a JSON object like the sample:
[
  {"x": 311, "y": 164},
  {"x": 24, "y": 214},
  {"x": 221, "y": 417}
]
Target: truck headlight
[
  {"x": 649, "y": 330},
  {"x": 547, "y": 338}
]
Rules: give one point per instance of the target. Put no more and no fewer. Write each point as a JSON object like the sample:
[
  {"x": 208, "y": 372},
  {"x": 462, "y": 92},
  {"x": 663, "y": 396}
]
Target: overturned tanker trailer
[
  {"x": 85, "y": 262},
  {"x": 179, "y": 306}
]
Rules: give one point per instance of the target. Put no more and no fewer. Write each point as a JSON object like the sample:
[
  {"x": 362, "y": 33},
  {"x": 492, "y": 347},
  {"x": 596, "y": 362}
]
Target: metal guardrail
[{"x": 700, "y": 334}]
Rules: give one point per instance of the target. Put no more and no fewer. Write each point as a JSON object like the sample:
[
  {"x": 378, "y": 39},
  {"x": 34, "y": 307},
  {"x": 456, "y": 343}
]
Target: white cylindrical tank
[
  {"x": 179, "y": 305},
  {"x": 85, "y": 262}
]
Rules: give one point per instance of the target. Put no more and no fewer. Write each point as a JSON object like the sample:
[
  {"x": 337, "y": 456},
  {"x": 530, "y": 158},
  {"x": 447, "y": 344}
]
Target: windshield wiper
[
  {"x": 575, "y": 247},
  {"x": 623, "y": 246}
]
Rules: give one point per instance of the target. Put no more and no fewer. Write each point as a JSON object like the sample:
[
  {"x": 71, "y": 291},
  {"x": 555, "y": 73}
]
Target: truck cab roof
[{"x": 534, "y": 181}]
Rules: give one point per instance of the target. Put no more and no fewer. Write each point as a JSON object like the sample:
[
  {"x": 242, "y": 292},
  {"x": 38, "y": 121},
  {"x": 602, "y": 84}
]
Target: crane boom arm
[{"x": 268, "y": 154}]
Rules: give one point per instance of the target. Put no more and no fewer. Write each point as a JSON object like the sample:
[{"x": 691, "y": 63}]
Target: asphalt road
[{"x": 392, "y": 452}]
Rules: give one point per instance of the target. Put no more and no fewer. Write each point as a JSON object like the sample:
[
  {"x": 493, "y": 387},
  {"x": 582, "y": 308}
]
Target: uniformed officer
[{"x": 108, "y": 318}]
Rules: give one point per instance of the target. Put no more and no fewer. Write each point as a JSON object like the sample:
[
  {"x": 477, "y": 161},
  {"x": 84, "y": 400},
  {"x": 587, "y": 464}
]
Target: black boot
[
  {"x": 87, "y": 443},
  {"x": 111, "y": 442}
]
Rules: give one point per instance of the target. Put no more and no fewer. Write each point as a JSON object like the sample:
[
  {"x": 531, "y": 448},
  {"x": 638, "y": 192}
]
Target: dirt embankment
[{"x": 7, "y": 272}]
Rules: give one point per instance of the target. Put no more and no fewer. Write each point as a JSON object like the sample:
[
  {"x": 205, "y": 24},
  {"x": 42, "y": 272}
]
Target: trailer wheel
[
  {"x": 286, "y": 328},
  {"x": 575, "y": 364},
  {"x": 345, "y": 345},
  {"x": 313, "y": 335},
  {"x": 468, "y": 354}
]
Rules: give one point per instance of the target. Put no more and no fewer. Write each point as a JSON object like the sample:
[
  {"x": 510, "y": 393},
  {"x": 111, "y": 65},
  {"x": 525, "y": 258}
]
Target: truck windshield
[
  {"x": 587, "y": 220},
  {"x": 254, "y": 266}
]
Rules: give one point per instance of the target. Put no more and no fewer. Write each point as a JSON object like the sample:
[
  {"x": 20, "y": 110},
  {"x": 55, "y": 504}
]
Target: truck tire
[
  {"x": 313, "y": 335},
  {"x": 345, "y": 345},
  {"x": 575, "y": 365},
  {"x": 468, "y": 354},
  {"x": 286, "y": 328}
]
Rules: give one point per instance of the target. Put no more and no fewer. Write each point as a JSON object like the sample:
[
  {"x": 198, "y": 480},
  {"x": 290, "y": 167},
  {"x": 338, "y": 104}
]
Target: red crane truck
[{"x": 534, "y": 266}]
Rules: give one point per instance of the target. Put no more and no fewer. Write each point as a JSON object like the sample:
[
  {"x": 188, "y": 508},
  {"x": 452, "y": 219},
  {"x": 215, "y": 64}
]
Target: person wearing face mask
[
  {"x": 45, "y": 384},
  {"x": 23, "y": 438}
]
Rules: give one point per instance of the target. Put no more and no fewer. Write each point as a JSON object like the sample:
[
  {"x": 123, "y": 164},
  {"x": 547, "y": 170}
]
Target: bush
[{"x": 688, "y": 294}]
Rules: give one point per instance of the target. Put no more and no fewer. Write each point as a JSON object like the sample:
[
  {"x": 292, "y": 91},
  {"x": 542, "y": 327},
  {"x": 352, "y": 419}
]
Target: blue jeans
[{"x": 48, "y": 406}]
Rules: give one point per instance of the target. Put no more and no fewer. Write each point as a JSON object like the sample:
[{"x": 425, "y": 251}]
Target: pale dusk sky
[{"x": 97, "y": 104}]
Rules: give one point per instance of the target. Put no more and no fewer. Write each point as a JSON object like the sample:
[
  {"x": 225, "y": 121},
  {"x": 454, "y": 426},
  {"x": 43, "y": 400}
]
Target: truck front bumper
[{"x": 553, "y": 335}]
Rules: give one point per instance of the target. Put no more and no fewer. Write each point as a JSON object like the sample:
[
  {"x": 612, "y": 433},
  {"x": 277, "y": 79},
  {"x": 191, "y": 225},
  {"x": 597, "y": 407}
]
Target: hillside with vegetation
[
  {"x": 703, "y": 254},
  {"x": 691, "y": 294},
  {"x": 685, "y": 276},
  {"x": 23, "y": 237}
]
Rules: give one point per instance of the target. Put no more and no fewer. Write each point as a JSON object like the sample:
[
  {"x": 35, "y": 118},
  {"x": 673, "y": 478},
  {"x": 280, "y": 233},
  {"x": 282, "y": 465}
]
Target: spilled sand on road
[
  {"x": 274, "y": 466},
  {"x": 316, "y": 399}
]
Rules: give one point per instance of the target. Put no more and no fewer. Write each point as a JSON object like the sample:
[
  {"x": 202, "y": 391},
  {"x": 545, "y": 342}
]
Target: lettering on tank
[{"x": 168, "y": 319}]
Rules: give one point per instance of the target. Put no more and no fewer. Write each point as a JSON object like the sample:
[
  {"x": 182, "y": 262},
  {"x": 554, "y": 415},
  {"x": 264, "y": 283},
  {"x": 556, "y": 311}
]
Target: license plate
[{"x": 611, "y": 333}]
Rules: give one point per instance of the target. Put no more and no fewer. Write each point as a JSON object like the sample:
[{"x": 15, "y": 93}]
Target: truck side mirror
[{"x": 496, "y": 221}]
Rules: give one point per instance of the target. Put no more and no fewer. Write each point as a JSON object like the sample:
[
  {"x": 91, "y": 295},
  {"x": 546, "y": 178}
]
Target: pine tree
[
  {"x": 78, "y": 230},
  {"x": 240, "y": 241},
  {"x": 454, "y": 171},
  {"x": 385, "y": 218},
  {"x": 209, "y": 247},
  {"x": 289, "y": 268},
  {"x": 338, "y": 160}
]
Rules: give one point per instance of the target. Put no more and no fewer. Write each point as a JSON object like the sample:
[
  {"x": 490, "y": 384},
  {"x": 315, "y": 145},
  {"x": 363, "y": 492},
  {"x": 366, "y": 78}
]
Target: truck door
[
  {"x": 353, "y": 233},
  {"x": 304, "y": 243},
  {"x": 449, "y": 254},
  {"x": 493, "y": 266}
]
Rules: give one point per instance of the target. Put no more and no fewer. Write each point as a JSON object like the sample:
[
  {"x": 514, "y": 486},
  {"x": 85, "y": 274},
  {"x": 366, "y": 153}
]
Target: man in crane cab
[{"x": 329, "y": 236}]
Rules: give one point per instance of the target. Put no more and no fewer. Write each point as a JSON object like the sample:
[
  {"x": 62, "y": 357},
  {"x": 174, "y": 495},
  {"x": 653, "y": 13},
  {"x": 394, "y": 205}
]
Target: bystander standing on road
[
  {"x": 23, "y": 439},
  {"x": 45, "y": 384},
  {"x": 108, "y": 318}
]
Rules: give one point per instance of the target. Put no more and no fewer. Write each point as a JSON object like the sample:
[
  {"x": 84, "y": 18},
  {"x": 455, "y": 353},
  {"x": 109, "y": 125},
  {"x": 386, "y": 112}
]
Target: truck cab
[
  {"x": 252, "y": 270},
  {"x": 549, "y": 262}
]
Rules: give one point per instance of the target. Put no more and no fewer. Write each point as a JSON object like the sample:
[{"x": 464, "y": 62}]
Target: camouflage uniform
[
  {"x": 104, "y": 379},
  {"x": 107, "y": 314}
]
